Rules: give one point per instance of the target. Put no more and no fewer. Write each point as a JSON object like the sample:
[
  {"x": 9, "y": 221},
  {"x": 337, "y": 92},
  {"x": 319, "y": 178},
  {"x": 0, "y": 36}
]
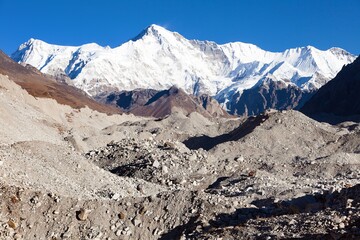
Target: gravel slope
[{"x": 80, "y": 174}]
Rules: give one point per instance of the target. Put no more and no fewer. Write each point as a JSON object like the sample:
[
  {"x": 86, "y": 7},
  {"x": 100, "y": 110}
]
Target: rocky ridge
[{"x": 153, "y": 103}]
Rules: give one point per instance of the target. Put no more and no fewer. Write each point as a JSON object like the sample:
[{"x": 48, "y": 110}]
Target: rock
[
  {"x": 202, "y": 170},
  {"x": 136, "y": 222},
  {"x": 239, "y": 159},
  {"x": 122, "y": 215},
  {"x": 349, "y": 203},
  {"x": 337, "y": 220},
  {"x": 156, "y": 164},
  {"x": 193, "y": 157},
  {"x": 165, "y": 169},
  {"x": 140, "y": 188},
  {"x": 83, "y": 214},
  {"x": 341, "y": 225},
  {"x": 169, "y": 145},
  {"x": 18, "y": 236},
  {"x": 116, "y": 196},
  {"x": 292, "y": 222},
  {"x": 14, "y": 199},
  {"x": 12, "y": 224},
  {"x": 67, "y": 234},
  {"x": 118, "y": 233}
]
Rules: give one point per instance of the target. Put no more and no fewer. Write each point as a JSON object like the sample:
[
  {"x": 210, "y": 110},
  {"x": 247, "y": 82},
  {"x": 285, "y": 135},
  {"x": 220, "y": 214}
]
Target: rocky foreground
[{"x": 80, "y": 174}]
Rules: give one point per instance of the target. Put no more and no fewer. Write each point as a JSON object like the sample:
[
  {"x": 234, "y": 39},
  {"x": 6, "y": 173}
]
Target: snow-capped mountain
[{"x": 159, "y": 59}]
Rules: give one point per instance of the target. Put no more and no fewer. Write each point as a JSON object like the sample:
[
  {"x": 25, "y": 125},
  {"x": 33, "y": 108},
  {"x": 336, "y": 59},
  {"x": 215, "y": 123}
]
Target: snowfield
[{"x": 159, "y": 59}]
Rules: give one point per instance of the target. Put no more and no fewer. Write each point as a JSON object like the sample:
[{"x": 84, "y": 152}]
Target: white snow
[{"x": 159, "y": 59}]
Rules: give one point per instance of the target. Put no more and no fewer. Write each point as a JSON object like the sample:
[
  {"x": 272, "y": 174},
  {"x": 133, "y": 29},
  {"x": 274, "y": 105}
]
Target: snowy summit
[{"x": 158, "y": 59}]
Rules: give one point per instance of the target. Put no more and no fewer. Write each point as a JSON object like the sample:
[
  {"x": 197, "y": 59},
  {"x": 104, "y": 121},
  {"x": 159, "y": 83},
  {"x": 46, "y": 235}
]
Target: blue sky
[{"x": 271, "y": 24}]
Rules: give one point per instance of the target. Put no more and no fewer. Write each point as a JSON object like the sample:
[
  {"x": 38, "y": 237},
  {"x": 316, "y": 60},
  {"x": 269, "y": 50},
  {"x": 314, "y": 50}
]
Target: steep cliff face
[
  {"x": 211, "y": 105},
  {"x": 127, "y": 100},
  {"x": 340, "y": 96},
  {"x": 268, "y": 94}
]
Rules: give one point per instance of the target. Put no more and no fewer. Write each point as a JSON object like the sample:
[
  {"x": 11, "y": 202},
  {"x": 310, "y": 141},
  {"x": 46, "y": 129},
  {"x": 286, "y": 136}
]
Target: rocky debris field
[
  {"x": 83, "y": 175},
  {"x": 43, "y": 215},
  {"x": 290, "y": 177},
  {"x": 163, "y": 162}
]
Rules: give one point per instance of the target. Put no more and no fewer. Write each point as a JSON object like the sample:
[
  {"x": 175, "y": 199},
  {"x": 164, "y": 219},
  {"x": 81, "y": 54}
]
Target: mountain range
[{"x": 159, "y": 59}]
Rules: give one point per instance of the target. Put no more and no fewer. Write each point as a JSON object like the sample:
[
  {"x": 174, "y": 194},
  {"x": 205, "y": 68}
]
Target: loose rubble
[
  {"x": 280, "y": 175},
  {"x": 163, "y": 162}
]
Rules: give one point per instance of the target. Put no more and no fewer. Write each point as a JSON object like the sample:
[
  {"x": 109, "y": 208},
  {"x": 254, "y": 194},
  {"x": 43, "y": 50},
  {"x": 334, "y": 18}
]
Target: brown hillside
[{"x": 39, "y": 85}]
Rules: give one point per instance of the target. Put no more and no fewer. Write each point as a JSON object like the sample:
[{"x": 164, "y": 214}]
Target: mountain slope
[
  {"x": 149, "y": 102},
  {"x": 339, "y": 96},
  {"x": 269, "y": 93},
  {"x": 40, "y": 85},
  {"x": 158, "y": 59}
]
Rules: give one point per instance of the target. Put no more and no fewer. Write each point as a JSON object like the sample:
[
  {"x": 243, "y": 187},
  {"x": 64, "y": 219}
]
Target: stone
[
  {"x": 12, "y": 224},
  {"x": 122, "y": 215},
  {"x": 136, "y": 222},
  {"x": 165, "y": 169},
  {"x": 292, "y": 222},
  {"x": 341, "y": 225},
  {"x": 116, "y": 196},
  {"x": 337, "y": 220},
  {"x": 142, "y": 210},
  {"x": 17, "y": 236},
  {"x": 83, "y": 214},
  {"x": 156, "y": 164},
  {"x": 202, "y": 170},
  {"x": 139, "y": 188},
  {"x": 67, "y": 234},
  {"x": 239, "y": 159},
  {"x": 192, "y": 157},
  {"x": 118, "y": 233}
]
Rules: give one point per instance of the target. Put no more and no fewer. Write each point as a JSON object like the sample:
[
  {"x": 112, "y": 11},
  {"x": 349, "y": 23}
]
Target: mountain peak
[
  {"x": 153, "y": 27},
  {"x": 31, "y": 41},
  {"x": 152, "y": 30},
  {"x": 158, "y": 58}
]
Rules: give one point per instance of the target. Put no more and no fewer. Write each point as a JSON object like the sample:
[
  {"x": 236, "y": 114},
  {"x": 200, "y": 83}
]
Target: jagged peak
[
  {"x": 31, "y": 42},
  {"x": 340, "y": 51},
  {"x": 154, "y": 31},
  {"x": 154, "y": 27},
  {"x": 40, "y": 43}
]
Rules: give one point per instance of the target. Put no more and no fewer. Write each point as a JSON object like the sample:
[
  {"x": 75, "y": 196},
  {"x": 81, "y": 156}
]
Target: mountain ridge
[
  {"x": 41, "y": 85},
  {"x": 159, "y": 59},
  {"x": 339, "y": 96},
  {"x": 161, "y": 103}
]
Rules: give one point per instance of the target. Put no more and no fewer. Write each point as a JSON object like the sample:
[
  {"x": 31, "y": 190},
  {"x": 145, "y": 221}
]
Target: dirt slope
[{"x": 39, "y": 85}]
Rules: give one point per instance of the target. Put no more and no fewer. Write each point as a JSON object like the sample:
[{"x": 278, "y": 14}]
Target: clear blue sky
[{"x": 271, "y": 24}]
